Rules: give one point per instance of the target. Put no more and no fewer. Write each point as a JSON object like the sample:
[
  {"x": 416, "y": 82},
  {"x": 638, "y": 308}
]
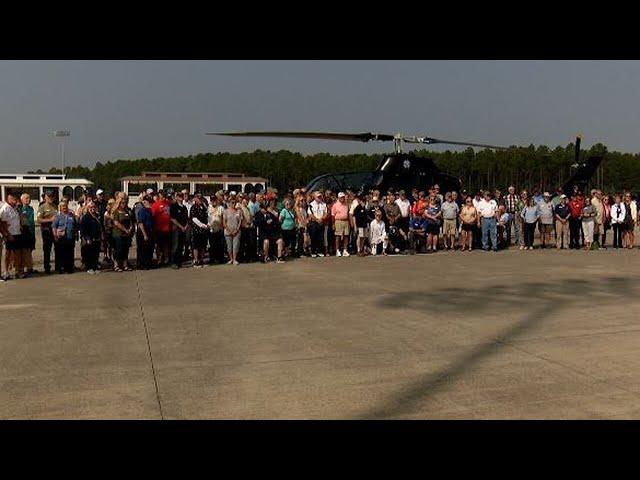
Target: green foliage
[{"x": 526, "y": 167}]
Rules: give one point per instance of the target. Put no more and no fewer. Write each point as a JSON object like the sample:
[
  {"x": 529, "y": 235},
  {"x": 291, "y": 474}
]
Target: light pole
[{"x": 61, "y": 134}]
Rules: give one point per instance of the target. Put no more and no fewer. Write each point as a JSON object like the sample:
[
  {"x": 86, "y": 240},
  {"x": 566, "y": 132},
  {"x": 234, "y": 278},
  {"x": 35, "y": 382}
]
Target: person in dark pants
[
  {"x": 144, "y": 235},
  {"x": 46, "y": 213},
  {"x": 179, "y": 226},
  {"x": 101, "y": 208},
  {"x": 318, "y": 214},
  {"x": 248, "y": 247},
  {"x": 216, "y": 235},
  {"x": 64, "y": 227},
  {"x": 575, "y": 221},
  {"x": 618, "y": 214},
  {"x": 91, "y": 239},
  {"x": 122, "y": 233}
]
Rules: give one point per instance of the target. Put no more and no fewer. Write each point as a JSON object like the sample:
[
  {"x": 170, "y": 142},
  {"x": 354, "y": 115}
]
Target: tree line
[{"x": 526, "y": 167}]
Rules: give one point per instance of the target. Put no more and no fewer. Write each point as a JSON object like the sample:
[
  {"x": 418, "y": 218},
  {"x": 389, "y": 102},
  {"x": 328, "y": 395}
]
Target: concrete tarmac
[{"x": 537, "y": 335}]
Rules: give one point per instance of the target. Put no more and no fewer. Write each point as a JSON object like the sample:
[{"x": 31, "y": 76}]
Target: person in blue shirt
[
  {"x": 417, "y": 232},
  {"x": 64, "y": 228},
  {"x": 530, "y": 214},
  {"x": 144, "y": 235},
  {"x": 433, "y": 215}
]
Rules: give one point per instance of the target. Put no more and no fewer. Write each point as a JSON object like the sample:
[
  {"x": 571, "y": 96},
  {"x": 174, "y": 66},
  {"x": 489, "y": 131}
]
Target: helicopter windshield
[
  {"x": 386, "y": 164},
  {"x": 355, "y": 181}
]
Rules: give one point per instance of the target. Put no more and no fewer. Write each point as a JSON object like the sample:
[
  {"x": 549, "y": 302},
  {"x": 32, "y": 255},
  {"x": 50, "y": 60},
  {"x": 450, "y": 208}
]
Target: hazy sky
[{"x": 135, "y": 109}]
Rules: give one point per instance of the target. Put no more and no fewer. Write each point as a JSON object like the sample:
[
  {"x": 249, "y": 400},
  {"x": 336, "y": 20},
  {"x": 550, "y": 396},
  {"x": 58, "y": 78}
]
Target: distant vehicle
[{"x": 404, "y": 171}]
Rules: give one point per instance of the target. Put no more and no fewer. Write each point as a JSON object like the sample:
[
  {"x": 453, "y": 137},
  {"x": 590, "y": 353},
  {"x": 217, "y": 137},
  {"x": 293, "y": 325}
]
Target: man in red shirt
[
  {"x": 162, "y": 227},
  {"x": 575, "y": 223}
]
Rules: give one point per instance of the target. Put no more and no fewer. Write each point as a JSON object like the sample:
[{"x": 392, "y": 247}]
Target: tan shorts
[
  {"x": 546, "y": 228},
  {"x": 341, "y": 228},
  {"x": 449, "y": 227}
]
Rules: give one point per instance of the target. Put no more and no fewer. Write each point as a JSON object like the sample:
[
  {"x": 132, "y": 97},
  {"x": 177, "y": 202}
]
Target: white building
[{"x": 35, "y": 184}]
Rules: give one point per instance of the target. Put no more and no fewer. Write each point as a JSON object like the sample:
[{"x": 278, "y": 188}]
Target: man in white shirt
[
  {"x": 11, "y": 230},
  {"x": 405, "y": 209},
  {"x": 318, "y": 213},
  {"x": 487, "y": 210}
]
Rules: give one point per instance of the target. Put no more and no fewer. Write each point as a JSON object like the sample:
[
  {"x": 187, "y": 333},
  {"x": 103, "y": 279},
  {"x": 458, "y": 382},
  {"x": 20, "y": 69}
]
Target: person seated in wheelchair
[
  {"x": 397, "y": 239},
  {"x": 417, "y": 234}
]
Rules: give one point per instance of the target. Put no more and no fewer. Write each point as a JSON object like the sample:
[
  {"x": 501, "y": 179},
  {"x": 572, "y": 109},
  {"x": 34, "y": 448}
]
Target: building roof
[
  {"x": 199, "y": 177},
  {"x": 40, "y": 179}
]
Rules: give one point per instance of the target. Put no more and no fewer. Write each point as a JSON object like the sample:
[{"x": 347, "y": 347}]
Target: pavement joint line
[
  {"x": 146, "y": 332},
  {"x": 575, "y": 370},
  {"x": 578, "y": 335}
]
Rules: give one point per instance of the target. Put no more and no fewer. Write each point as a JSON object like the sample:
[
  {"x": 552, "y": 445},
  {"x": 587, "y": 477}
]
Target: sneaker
[
  {"x": 313, "y": 255},
  {"x": 229, "y": 262},
  {"x": 521, "y": 247},
  {"x": 280, "y": 260},
  {"x": 397, "y": 250},
  {"x": 235, "y": 262},
  {"x": 321, "y": 254},
  {"x": 338, "y": 254},
  {"x": 91, "y": 272},
  {"x": 346, "y": 254}
]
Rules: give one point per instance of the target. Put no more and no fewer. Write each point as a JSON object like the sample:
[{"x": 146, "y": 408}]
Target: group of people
[{"x": 229, "y": 227}]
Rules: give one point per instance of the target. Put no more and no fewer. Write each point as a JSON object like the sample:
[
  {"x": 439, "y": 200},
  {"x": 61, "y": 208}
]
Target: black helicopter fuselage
[{"x": 398, "y": 171}]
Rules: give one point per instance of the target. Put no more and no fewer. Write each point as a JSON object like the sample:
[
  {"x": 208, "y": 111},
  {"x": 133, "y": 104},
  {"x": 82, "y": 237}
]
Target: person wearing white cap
[
  {"x": 562, "y": 214},
  {"x": 340, "y": 215}
]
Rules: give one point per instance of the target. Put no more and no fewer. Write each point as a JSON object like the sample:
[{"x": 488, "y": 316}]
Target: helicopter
[{"x": 405, "y": 171}]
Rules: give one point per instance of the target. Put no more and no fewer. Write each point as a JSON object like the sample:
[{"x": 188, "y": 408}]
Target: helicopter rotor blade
[
  {"x": 357, "y": 137},
  {"x": 431, "y": 141}
]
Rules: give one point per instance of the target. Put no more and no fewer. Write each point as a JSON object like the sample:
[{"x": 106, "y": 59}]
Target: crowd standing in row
[{"x": 231, "y": 227}]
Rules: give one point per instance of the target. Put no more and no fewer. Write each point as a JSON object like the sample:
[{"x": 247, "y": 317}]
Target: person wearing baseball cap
[
  {"x": 562, "y": 214},
  {"x": 340, "y": 216}
]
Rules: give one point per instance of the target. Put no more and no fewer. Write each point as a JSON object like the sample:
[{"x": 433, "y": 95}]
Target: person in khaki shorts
[
  {"x": 562, "y": 214},
  {"x": 340, "y": 215},
  {"x": 450, "y": 211}
]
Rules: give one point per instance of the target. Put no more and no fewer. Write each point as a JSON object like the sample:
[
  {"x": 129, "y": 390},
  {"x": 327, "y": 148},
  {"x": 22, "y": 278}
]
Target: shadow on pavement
[{"x": 537, "y": 299}]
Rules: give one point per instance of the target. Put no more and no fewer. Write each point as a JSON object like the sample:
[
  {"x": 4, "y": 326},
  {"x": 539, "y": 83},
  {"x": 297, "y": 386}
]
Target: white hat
[
  {"x": 100, "y": 191},
  {"x": 563, "y": 196},
  {"x": 149, "y": 191},
  {"x": 341, "y": 194},
  {"x": 232, "y": 193}
]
